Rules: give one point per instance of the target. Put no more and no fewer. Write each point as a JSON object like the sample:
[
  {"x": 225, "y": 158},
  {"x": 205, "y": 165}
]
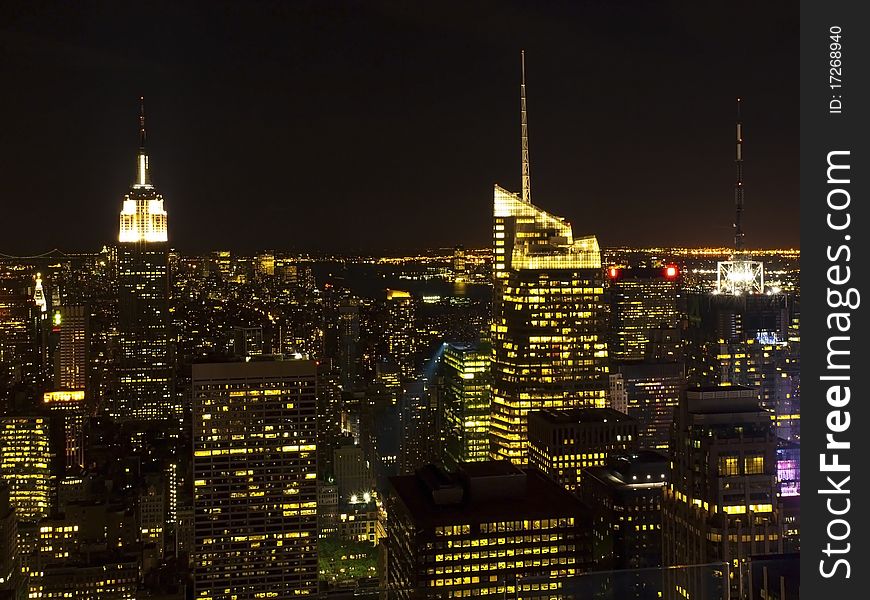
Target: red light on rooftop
[
  {"x": 613, "y": 272},
  {"x": 672, "y": 272}
]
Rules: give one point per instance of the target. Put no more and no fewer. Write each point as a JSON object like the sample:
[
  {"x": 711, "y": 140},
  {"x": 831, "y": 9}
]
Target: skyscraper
[
  {"x": 18, "y": 340},
  {"x": 27, "y": 464},
  {"x": 549, "y": 327},
  {"x": 255, "y": 479},
  {"x": 489, "y": 530},
  {"x": 625, "y": 497},
  {"x": 72, "y": 362},
  {"x": 564, "y": 442},
  {"x": 67, "y": 407},
  {"x": 648, "y": 392},
  {"x": 641, "y": 301},
  {"x": 349, "y": 342},
  {"x": 401, "y": 341},
  {"x": 721, "y": 504},
  {"x": 144, "y": 389},
  {"x": 12, "y": 583},
  {"x": 464, "y": 402}
]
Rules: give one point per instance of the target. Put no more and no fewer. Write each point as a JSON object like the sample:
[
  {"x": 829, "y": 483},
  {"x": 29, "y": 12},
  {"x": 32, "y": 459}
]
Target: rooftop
[
  {"x": 528, "y": 494},
  {"x": 581, "y": 415}
]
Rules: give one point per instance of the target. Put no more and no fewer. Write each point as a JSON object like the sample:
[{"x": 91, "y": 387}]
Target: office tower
[
  {"x": 750, "y": 340},
  {"x": 27, "y": 464},
  {"x": 401, "y": 341},
  {"x": 771, "y": 365},
  {"x": 641, "y": 301},
  {"x": 788, "y": 477},
  {"x": 152, "y": 513},
  {"x": 144, "y": 389},
  {"x": 489, "y": 530},
  {"x": 464, "y": 400},
  {"x": 103, "y": 576},
  {"x": 549, "y": 327},
  {"x": 389, "y": 375},
  {"x": 564, "y": 442},
  {"x": 248, "y": 341},
  {"x": 729, "y": 318},
  {"x": 418, "y": 416},
  {"x": 72, "y": 363},
  {"x": 353, "y": 474},
  {"x": 18, "y": 316},
  {"x": 266, "y": 264},
  {"x": 721, "y": 503},
  {"x": 255, "y": 479},
  {"x": 327, "y": 509},
  {"x": 348, "y": 342},
  {"x": 68, "y": 408},
  {"x": 666, "y": 345},
  {"x": 739, "y": 275},
  {"x": 625, "y": 499},
  {"x": 648, "y": 392},
  {"x": 459, "y": 265},
  {"x": 714, "y": 319},
  {"x": 221, "y": 264},
  {"x": 329, "y": 411},
  {"x": 12, "y": 583},
  {"x": 89, "y": 549}
]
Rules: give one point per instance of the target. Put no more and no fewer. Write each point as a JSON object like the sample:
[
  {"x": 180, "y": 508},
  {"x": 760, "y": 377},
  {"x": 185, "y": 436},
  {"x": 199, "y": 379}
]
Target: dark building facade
[
  {"x": 487, "y": 530},
  {"x": 641, "y": 301},
  {"x": 562, "y": 443}
]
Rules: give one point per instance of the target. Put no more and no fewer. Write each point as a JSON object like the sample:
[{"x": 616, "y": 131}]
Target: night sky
[{"x": 382, "y": 126}]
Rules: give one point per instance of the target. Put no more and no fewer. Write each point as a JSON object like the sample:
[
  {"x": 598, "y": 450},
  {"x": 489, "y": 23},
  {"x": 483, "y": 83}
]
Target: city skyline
[
  {"x": 294, "y": 157},
  {"x": 268, "y": 352}
]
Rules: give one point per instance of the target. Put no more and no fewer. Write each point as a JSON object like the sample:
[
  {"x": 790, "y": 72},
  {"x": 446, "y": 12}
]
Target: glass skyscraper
[
  {"x": 549, "y": 321},
  {"x": 465, "y": 402}
]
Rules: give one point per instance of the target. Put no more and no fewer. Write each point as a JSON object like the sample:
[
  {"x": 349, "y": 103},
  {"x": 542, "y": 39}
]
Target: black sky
[{"x": 383, "y": 125}]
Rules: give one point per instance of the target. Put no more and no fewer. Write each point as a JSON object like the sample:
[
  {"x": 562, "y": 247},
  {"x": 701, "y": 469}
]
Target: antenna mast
[
  {"x": 738, "y": 188},
  {"x": 527, "y": 179}
]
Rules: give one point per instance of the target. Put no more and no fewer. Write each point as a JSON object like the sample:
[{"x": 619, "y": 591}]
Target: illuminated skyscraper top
[
  {"x": 528, "y": 237},
  {"x": 143, "y": 218}
]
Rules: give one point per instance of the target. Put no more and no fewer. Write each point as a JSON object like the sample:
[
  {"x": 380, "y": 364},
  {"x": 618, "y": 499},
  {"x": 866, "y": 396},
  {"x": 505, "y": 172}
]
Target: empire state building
[{"x": 144, "y": 385}]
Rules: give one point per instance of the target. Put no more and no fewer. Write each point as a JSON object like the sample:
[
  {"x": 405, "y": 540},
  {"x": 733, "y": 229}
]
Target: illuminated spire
[
  {"x": 39, "y": 295},
  {"x": 527, "y": 179},
  {"x": 738, "y": 188},
  {"x": 143, "y": 174}
]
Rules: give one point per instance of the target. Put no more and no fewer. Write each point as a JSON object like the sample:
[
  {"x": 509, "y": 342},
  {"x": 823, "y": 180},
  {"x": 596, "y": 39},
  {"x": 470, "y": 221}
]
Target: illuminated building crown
[
  {"x": 537, "y": 239},
  {"x": 143, "y": 218}
]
